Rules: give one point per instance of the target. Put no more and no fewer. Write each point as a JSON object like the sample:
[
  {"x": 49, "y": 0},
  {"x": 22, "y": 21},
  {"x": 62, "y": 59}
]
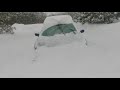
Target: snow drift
[
  {"x": 102, "y": 56},
  {"x": 60, "y": 40}
]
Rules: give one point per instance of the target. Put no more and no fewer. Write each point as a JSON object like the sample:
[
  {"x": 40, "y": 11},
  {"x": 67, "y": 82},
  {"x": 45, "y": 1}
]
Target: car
[{"x": 58, "y": 30}]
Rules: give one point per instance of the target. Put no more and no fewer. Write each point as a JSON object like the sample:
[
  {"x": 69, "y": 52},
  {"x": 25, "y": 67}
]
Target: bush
[
  {"x": 5, "y": 22},
  {"x": 6, "y": 29}
]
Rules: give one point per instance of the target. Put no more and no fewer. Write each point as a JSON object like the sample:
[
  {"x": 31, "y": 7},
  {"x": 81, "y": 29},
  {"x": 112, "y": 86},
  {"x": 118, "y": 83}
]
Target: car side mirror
[
  {"x": 82, "y": 31},
  {"x": 37, "y": 34}
]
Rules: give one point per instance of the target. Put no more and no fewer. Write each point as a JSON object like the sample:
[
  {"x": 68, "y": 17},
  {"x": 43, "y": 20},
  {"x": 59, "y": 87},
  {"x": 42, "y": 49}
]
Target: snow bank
[{"x": 28, "y": 28}]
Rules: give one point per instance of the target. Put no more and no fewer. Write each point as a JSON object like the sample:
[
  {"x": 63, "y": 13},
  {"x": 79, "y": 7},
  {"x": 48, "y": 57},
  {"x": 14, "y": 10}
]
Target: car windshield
[{"x": 59, "y": 29}]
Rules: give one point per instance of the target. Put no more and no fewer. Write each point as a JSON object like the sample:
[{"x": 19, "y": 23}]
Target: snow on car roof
[{"x": 55, "y": 20}]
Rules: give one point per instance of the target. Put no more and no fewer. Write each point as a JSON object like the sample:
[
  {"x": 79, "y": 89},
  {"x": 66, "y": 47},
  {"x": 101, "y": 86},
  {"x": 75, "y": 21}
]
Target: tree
[
  {"x": 7, "y": 19},
  {"x": 94, "y": 17}
]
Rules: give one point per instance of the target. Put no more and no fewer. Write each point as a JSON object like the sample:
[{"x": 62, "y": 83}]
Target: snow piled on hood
[{"x": 60, "y": 39}]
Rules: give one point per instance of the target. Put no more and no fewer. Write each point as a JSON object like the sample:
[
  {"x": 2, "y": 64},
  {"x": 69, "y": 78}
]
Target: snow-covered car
[{"x": 58, "y": 30}]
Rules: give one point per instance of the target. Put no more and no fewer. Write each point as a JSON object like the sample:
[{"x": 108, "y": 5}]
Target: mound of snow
[
  {"x": 55, "y": 20},
  {"x": 59, "y": 40},
  {"x": 28, "y": 28}
]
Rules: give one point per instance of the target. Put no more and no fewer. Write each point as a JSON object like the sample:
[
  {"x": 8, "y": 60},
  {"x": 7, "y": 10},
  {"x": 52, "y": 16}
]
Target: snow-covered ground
[{"x": 101, "y": 58}]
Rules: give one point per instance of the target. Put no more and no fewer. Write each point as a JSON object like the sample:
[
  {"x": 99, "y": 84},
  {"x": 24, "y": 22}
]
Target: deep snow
[{"x": 99, "y": 59}]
